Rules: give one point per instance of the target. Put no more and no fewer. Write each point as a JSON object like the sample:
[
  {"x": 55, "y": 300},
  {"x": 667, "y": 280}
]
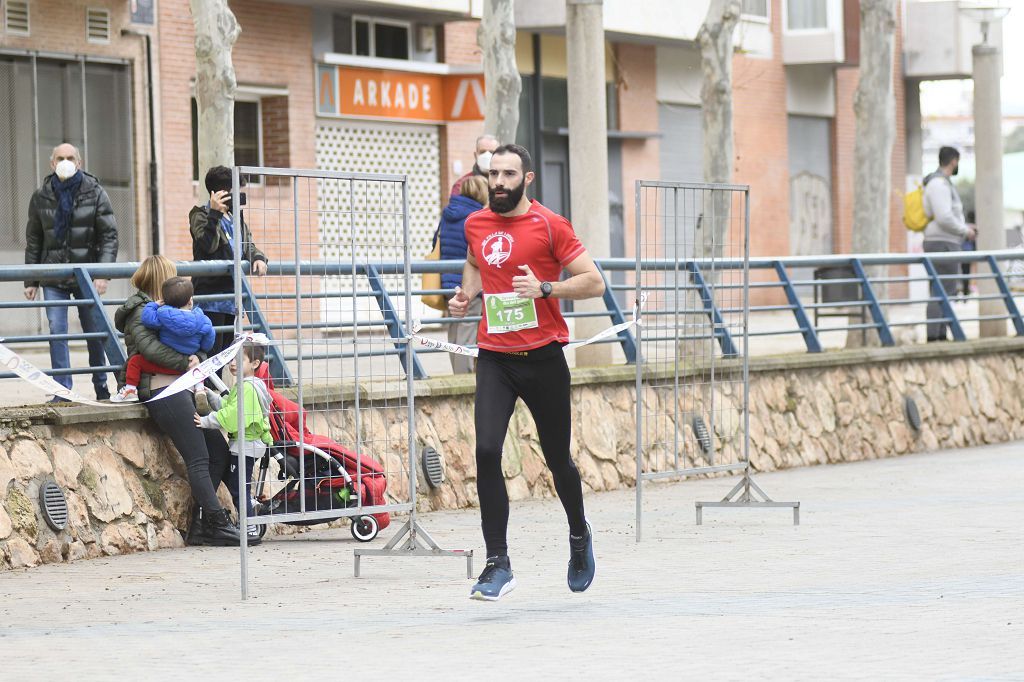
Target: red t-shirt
[{"x": 539, "y": 238}]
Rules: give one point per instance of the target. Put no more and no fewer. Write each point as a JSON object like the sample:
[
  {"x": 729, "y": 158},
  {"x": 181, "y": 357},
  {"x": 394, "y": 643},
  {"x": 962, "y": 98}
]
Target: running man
[{"x": 517, "y": 251}]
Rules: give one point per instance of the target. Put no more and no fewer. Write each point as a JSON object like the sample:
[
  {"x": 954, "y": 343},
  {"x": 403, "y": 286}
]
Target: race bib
[{"x": 509, "y": 313}]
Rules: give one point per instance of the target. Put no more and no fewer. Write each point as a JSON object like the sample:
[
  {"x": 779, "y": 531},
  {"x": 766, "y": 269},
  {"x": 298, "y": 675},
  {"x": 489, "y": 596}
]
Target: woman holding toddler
[{"x": 158, "y": 354}]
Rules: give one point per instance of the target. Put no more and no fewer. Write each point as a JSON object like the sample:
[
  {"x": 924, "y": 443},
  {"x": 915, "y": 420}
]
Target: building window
[
  {"x": 802, "y": 15},
  {"x": 248, "y": 135},
  {"x": 380, "y": 38},
  {"x": 756, "y": 9}
]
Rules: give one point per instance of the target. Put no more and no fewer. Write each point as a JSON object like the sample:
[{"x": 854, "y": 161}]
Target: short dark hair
[
  {"x": 177, "y": 292},
  {"x": 218, "y": 179},
  {"x": 521, "y": 152},
  {"x": 254, "y": 352},
  {"x": 947, "y": 154}
]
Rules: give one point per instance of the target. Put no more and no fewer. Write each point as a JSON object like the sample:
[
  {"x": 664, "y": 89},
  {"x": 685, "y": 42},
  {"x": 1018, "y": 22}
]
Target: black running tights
[{"x": 543, "y": 384}]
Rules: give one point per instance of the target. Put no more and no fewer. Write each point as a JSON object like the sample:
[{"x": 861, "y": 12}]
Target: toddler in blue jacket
[{"x": 181, "y": 326}]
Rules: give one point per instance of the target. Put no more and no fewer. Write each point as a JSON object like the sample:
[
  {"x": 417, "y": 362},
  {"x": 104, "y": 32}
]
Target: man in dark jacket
[
  {"x": 212, "y": 235},
  {"x": 70, "y": 220},
  {"x": 485, "y": 146}
]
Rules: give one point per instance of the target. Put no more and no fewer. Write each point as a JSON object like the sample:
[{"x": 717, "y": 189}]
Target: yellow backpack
[{"x": 914, "y": 215}]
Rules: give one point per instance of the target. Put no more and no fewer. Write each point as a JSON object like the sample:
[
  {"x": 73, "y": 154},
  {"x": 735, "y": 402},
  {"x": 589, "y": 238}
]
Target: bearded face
[{"x": 504, "y": 198}]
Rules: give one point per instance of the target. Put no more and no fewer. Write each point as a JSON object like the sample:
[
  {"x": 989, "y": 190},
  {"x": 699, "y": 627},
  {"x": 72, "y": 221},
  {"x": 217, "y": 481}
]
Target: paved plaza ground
[{"x": 909, "y": 568}]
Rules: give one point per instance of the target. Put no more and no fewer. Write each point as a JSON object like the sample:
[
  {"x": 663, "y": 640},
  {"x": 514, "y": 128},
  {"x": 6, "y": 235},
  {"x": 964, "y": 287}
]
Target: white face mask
[
  {"x": 65, "y": 169},
  {"x": 483, "y": 161}
]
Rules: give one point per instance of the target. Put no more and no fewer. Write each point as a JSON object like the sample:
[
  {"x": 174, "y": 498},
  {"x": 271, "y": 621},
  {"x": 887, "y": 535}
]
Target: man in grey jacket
[{"x": 946, "y": 230}]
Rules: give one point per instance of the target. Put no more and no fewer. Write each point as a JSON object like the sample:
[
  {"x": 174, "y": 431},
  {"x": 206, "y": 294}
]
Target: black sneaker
[
  {"x": 496, "y": 580},
  {"x": 102, "y": 394},
  {"x": 581, "y": 561}
]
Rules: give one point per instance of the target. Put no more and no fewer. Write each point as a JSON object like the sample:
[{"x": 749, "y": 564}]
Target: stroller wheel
[
  {"x": 262, "y": 529},
  {"x": 364, "y": 528}
]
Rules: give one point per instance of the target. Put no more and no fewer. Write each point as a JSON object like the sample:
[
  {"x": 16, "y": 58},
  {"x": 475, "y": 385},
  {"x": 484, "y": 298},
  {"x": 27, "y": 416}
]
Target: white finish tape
[
  {"x": 473, "y": 352},
  {"x": 35, "y": 376}
]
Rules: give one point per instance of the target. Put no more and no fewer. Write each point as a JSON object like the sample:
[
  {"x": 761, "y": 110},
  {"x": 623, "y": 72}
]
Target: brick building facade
[{"x": 654, "y": 89}]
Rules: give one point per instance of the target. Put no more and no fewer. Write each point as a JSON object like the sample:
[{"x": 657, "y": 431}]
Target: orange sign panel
[
  {"x": 464, "y": 97},
  {"x": 398, "y": 95}
]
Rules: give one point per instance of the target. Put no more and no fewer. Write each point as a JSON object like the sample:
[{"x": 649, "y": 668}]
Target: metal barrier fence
[
  {"x": 692, "y": 371},
  {"x": 352, "y": 448},
  {"x": 813, "y": 290}
]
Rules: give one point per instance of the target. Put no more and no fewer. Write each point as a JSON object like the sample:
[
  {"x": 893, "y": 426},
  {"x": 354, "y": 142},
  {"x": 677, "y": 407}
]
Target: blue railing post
[
  {"x": 278, "y": 367},
  {"x": 1004, "y": 289},
  {"x": 947, "y": 307},
  {"x": 626, "y": 337},
  {"x": 717, "y": 323},
  {"x": 390, "y": 313},
  {"x": 810, "y": 334},
  {"x": 868, "y": 293},
  {"x": 114, "y": 351}
]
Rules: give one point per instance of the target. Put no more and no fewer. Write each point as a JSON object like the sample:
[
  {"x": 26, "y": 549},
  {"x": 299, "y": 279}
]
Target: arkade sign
[{"x": 379, "y": 93}]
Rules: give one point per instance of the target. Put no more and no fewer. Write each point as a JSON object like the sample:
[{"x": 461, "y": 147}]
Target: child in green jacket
[{"x": 257, "y": 425}]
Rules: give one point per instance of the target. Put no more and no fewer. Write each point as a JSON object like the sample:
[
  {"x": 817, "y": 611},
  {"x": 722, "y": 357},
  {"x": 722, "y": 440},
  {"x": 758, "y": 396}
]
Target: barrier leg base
[
  {"x": 748, "y": 494},
  {"x": 417, "y": 542}
]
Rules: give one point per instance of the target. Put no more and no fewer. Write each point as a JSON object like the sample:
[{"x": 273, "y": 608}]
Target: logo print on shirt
[{"x": 497, "y": 248}]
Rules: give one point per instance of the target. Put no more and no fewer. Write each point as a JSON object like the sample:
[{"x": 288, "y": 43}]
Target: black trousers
[
  {"x": 937, "y": 330},
  {"x": 541, "y": 379},
  {"x": 204, "y": 451}
]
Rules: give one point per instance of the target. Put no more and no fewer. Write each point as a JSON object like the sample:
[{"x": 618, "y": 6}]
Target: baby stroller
[{"x": 330, "y": 470}]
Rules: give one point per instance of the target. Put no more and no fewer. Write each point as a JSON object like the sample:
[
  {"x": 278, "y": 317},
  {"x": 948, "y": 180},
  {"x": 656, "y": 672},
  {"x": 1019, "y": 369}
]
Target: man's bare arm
[
  {"x": 585, "y": 281},
  {"x": 471, "y": 282},
  {"x": 471, "y": 286}
]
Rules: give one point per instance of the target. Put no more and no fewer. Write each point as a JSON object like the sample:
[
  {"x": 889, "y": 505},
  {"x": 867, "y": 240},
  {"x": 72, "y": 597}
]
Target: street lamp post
[{"x": 988, "y": 149}]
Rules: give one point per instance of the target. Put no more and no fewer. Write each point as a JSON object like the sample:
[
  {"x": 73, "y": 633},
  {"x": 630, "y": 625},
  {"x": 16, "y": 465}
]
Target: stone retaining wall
[{"x": 127, "y": 490}]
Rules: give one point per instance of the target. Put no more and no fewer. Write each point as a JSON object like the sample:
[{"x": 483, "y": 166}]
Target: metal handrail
[{"x": 873, "y": 318}]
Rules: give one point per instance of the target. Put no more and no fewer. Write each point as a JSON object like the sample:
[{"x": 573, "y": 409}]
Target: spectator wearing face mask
[
  {"x": 485, "y": 146},
  {"x": 70, "y": 220}
]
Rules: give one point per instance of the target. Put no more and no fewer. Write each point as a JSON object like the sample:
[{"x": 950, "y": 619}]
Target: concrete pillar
[
  {"x": 588, "y": 154},
  {"x": 912, "y": 93},
  {"x": 988, "y": 187}
]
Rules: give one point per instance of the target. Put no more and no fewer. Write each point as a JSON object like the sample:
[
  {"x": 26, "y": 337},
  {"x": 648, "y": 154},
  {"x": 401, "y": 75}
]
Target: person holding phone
[{"x": 213, "y": 236}]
